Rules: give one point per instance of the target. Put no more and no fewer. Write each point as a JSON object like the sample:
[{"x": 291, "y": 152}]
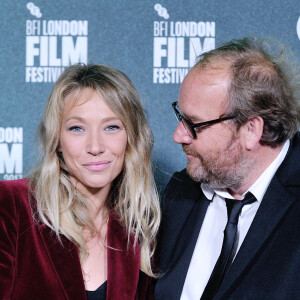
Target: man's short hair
[{"x": 261, "y": 84}]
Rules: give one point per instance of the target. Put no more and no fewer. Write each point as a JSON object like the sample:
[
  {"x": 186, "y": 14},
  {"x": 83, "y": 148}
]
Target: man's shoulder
[
  {"x": 180, "y": 187},
  {"x": 289, "y": 171},
  {"x": 181, "y": 178}
]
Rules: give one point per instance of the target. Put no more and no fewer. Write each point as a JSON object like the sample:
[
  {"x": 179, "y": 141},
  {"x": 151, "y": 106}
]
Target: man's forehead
[
  {"x": 211, "y": 74},
  {"x": 204, "y": 88},
  {"x": 205, "y": 80}
]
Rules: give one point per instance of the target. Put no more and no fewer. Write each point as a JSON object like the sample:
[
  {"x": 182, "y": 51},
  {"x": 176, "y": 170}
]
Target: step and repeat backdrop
[{"x": 154, "y": 43}]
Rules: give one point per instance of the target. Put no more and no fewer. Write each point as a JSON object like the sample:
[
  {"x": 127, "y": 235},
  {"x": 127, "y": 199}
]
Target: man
[{"x": 238, "y": 126}]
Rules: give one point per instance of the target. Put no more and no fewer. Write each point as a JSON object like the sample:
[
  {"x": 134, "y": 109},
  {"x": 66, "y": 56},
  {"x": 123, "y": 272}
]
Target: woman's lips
[{"x": 96, "y": 166}]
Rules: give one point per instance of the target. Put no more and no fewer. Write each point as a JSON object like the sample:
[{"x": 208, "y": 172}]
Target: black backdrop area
[{"x": 154, "y": 43}]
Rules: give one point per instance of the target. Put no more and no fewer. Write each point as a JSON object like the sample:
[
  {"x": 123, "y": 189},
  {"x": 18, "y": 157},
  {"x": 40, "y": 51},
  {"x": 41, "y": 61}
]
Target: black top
[{"x": 98, "y": 294}]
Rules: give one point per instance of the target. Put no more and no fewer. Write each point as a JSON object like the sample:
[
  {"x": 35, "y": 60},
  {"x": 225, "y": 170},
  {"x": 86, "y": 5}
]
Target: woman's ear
[{"x": 252, "y": 132}]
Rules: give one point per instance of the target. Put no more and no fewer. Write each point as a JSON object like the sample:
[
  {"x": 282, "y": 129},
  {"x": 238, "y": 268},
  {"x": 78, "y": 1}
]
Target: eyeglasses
[{"x": 190, "y": 126}]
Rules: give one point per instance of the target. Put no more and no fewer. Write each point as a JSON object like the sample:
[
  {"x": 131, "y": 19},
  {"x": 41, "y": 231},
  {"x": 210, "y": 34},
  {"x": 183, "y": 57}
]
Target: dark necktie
[{"x": 234, "y": 208}]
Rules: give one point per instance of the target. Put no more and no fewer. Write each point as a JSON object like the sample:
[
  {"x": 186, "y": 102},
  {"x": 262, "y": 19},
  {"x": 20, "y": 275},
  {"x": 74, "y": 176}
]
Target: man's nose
[{"x": 180, "y": 135}]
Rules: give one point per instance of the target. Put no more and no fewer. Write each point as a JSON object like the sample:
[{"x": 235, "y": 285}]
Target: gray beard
[{"x": 226, "y": 170}]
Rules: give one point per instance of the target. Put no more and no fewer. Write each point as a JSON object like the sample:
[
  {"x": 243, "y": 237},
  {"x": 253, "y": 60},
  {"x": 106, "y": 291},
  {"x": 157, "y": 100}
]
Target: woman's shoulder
[
  {"x": 14, "y": 185},
  {"x": 14, "y": 192}
]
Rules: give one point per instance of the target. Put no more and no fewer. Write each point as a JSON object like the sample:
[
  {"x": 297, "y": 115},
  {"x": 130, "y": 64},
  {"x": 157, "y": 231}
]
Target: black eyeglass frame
[{"x": 192, "y": 125}]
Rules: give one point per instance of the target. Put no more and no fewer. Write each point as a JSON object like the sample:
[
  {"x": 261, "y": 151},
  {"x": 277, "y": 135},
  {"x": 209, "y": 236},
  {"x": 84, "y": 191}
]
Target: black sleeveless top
[{"x": 99, "y": 293}]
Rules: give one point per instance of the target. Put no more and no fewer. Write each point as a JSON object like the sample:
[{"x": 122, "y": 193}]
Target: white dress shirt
[{"x": 209, "y": 243}]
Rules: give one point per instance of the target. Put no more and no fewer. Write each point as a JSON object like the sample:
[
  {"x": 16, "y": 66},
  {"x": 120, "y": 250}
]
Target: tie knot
[
  {"x": 248, "y": 199},
  {"x": 234, "y": 207}
]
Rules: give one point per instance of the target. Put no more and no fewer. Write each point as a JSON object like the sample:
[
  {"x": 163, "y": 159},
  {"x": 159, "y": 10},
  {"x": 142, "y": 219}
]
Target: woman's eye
[
  {"x": 112, "y": 127},
  {"x": 76, "y": 129}
]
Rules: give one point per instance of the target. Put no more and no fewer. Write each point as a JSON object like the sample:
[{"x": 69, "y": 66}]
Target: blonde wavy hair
[{"x": 133, "y": 195}]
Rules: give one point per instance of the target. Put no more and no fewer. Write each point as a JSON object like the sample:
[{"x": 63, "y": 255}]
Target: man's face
[{"x": 217, "y": 155}]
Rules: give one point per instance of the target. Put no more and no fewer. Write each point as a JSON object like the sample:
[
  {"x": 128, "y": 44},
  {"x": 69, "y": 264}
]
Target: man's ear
[{"x": 252, "y": 132}]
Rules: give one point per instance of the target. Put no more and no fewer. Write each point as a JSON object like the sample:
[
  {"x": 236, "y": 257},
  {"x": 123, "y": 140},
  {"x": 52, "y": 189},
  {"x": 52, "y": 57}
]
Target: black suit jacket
[{"x": 267, "y": 265}]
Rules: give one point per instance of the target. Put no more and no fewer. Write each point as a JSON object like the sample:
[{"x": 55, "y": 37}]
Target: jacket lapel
[
  {"x": 276, "y": 203},
  {"x": 123, "y": 262},
  {"x": 175, "y": 274},
  {"x": 65, "y": 261},
  {"x": 189, "y": 234}
]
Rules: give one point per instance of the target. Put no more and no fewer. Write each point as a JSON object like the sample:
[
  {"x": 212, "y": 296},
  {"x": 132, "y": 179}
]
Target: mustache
[{"x": 187, "y": 149}]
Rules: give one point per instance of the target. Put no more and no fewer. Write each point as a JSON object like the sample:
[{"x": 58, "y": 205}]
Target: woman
[{"x": 84, "y": 224}]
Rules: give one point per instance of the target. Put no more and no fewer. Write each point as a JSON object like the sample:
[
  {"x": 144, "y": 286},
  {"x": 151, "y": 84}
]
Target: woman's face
[{"x": 92, "y": 140}]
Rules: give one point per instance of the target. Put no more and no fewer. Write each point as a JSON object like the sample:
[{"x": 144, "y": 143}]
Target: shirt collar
[{"x": 261, "y": 184}]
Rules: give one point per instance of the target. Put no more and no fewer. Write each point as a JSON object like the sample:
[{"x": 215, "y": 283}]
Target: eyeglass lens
[{"x": 181, "y": 119}]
